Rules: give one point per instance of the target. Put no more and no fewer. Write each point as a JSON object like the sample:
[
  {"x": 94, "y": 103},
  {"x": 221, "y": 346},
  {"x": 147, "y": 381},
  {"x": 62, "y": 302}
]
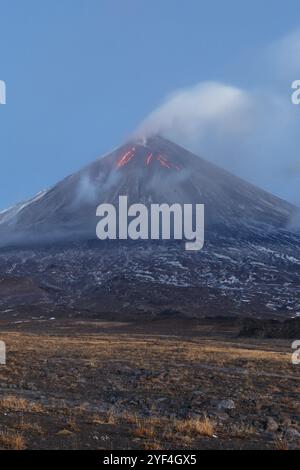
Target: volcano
[
  {"x": 249, "y": 265},
  {"x": 150, "y": 171}
]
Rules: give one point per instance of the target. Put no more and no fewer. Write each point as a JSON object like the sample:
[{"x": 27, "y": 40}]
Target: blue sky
[{"x": 82, "y": 74}]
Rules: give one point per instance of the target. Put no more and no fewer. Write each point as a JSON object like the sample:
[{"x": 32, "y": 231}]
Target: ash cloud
[
  {"x": 252, "y": 132},
  {"x": 90, "y": 189},
  {"x": 192, "y": 113}
]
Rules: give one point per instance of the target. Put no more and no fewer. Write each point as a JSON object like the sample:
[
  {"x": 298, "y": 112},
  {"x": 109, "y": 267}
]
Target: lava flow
[
  {"x": 163, "y": 161},
  {"x": 150, "y": 158},
  {"x": 126, "y": 157}
]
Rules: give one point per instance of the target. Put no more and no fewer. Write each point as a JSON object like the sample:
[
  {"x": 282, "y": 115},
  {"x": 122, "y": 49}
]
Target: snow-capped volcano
[{"x": 151, "y": 171}]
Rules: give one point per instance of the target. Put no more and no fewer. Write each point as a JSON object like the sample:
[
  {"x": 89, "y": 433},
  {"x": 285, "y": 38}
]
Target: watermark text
[
  {"x": 159, "y": 222},
  {"x": 296, "y": 94},
  {"x": 296, "y": 353},
  {"x": 2, "y": 92}
]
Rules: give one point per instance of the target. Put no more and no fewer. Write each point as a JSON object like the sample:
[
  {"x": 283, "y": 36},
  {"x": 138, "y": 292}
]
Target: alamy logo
[
  {"x": 2, "y": 353},
  {"x": 162, "y": 222},
  {"x": 2, "y": 92},
  {"x": 296, "y": 353},
  {"x": 296, "y": 94}
]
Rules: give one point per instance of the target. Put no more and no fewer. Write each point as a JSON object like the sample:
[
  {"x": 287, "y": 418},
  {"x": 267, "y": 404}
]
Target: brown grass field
[{"x": 172, "y": 384}]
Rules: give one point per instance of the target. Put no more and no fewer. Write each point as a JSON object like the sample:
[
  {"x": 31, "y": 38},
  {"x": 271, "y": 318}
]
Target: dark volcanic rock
[
  {"x": 271, "y": 424},
  {"x": 289, "y": 329},
  {"x": 21, "y": 290}
]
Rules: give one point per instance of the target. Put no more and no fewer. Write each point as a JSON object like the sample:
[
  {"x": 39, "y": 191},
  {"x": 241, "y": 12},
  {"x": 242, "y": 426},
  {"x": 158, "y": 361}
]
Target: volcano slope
[{"x": 249, "y": 264}]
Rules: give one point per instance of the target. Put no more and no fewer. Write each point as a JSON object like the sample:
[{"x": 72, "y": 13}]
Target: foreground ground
[{"x": 171, "y": 384}]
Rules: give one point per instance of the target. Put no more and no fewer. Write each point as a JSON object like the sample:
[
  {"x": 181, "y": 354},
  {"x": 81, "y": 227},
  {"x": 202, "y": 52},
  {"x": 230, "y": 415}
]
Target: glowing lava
[
  {"x": 126, "y": 157},
  {"x": 150, "y": 158},
  {"x": 164, "y": 162}
]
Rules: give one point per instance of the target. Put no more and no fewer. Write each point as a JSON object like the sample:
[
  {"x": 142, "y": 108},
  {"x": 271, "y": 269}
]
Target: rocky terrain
[
  {"x": 134, "y": 281},
  {"x": 289, "y": 329},
  {"x": 165, "y": 384}
]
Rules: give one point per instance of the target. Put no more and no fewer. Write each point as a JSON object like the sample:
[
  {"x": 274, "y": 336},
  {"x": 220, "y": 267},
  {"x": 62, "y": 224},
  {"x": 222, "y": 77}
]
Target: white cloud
[
  {"x": 252, "y": 132},
  {"x": 193, "y": 112}
]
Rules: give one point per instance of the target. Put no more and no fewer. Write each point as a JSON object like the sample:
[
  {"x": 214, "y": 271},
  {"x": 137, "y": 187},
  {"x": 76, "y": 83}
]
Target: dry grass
[
  {"x": 201, "y": 427},
  {"x": 144, "y": 430},
  {"x": 151, "y": 445},
  {"x": 72, "y": 425},
  {"x": 95, "y": 419},
  {"x": 110, "y": 418},
  {"x": 13, "y": 403},
  {"x": 281, "y": 444},
  {"x": 130, "y": 418},
  {"x": 30, "y": 427},
  {"x": 11, "y": 441},
  {"x": 147, "y": 428},
  {"x": 174, "y": 373},
  {"x": 102, "y": 418}
]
